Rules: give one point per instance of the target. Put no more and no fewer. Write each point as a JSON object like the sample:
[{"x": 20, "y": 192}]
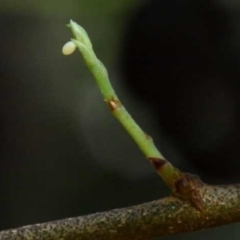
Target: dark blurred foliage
[
  {"x": 183, "y": 59},
  {"x": 49, "y": 119},
  {"x": 47, "y": 170}
]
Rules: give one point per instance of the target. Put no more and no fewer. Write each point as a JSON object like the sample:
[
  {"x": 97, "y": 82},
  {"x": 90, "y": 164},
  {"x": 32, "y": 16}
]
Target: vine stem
[
  {"x": 164, "y": 168},
  {"x": 182, "y": 185}
]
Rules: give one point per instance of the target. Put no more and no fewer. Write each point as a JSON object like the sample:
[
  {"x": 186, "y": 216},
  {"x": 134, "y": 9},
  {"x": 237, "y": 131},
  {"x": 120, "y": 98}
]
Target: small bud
[
  {"x": 80, "y": 34},
  {"x": 69, "y": 48}
]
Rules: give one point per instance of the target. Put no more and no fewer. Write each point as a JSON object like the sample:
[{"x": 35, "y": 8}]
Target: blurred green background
[{"x": 62, "y": 153}]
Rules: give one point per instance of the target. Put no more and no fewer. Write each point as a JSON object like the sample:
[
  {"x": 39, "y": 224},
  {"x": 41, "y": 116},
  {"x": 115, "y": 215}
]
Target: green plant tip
[{"x": 80, "y": 34}]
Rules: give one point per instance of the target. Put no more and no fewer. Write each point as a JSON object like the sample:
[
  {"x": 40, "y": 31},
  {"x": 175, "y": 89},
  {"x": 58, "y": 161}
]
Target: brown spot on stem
[
  {"x": 188, "y": 188},
  {"x": 148, "y": 137},
  {"x": 114, "y": 104},
  {"x": 158, "y": 163},
  {"x": 182, "y": 185}
]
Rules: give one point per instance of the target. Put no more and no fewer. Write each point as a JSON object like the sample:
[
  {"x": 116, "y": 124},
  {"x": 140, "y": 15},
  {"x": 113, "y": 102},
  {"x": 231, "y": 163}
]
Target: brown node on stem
[
  {"x": 114, "y": 104},
  {"x": 148, "y": 137},
  {"x": 158, "y": 163},
  {"x": 188, "y": 187}
]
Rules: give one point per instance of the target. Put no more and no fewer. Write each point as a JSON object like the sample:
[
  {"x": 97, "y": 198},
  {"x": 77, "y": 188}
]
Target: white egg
[{"x": 68, "y": 48}]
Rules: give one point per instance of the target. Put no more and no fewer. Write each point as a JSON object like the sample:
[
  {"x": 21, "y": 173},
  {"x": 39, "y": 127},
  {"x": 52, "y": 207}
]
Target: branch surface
[{"x": 167, "y": 216}]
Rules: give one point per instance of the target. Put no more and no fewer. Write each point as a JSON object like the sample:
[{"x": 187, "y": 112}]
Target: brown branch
[{"x": 220, "y": 206}]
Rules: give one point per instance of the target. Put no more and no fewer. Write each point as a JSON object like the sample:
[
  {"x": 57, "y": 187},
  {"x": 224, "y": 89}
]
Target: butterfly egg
[{"x": 68, "y": 48}]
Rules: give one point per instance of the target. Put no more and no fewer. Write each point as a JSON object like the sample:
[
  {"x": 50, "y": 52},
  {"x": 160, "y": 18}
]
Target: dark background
[{"x": 175, "y": 65}]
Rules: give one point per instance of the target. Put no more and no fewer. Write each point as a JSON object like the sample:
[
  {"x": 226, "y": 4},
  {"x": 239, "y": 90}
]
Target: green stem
[{"x": 164, "y": 168}]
